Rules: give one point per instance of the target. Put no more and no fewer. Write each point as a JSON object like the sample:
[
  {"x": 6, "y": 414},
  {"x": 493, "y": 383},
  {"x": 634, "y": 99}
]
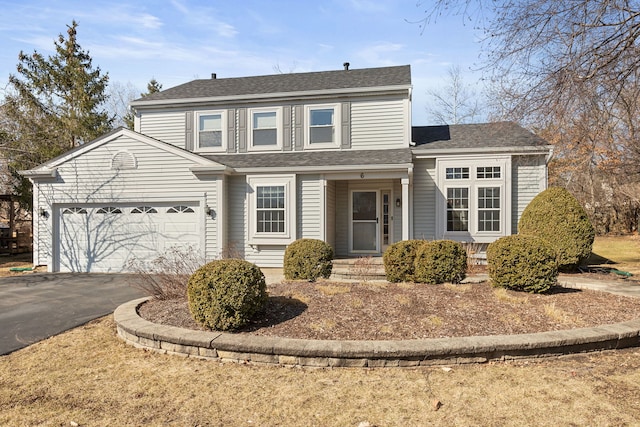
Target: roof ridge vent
[
  {"x": 214, "y": 76},
  {"x": 346, "y": 66}
]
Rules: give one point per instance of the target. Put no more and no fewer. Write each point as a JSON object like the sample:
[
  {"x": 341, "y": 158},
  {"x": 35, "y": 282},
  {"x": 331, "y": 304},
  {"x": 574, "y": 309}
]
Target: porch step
[{"x": 363, "y": 268}]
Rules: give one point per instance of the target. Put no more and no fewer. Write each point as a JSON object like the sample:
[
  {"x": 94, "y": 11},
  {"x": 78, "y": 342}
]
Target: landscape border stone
[{"x": 257, "y": 349}]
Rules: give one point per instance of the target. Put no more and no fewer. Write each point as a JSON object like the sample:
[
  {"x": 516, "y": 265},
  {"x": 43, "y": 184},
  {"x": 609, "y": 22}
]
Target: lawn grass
[
  {"x": 19, "y": 260},
  {"x": 90, "y": 377},
  {"x": 620, "y": 252}
]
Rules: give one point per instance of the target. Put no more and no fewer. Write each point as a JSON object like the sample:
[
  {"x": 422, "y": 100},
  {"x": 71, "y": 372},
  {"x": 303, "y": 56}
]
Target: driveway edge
[{"x": 333, "y": 353}]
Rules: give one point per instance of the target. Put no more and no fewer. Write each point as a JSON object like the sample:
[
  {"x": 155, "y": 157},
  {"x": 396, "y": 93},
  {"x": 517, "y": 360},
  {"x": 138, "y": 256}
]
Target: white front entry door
[{"x": 364, "y": 222}]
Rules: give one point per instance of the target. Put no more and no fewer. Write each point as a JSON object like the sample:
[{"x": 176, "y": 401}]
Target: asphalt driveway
[{"x": 36, "y": 306}]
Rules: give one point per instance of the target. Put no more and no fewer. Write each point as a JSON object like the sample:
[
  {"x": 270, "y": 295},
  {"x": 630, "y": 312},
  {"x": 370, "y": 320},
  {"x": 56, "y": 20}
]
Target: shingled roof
[
  {"x": 473, "y": 136},
  {"x": 397, "y": 156},
  {"x": 285, "y": 83}
]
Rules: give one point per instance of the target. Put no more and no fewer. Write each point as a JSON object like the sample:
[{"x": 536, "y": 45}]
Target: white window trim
[
  {"x": 337, "y": 125},
  {"x": 286, "y": 237},
  {"x": 473, "y": 183},
  {"x": 196, "y": 127},
  {"x": 279, "y": 129}
]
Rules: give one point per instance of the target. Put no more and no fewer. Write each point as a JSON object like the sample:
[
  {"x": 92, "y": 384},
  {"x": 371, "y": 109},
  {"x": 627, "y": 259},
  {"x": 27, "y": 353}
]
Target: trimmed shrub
[
  {"x": 308, "y": 259},
  {"x": 557, "y": 217},
  {"x": 399, "y": 260},
  {"x": 522, "y": 263},
  {"x": 225, "y": 294},
  {"x": 441, "y": 261}
]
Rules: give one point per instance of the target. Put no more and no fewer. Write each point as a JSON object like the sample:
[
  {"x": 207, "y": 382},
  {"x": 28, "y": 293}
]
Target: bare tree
[
  {"x": 453, "y": 103},
  {"x": 570, "y": 70},
  {"x": 119, "y": 96}
]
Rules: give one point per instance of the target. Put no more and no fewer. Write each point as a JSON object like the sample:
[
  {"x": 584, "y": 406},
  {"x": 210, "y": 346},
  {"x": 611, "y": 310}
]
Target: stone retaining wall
[{"x": 332, "y": 353}]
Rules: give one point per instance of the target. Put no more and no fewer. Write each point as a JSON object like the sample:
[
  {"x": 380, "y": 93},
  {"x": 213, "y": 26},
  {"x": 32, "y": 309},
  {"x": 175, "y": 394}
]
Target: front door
[{"x": 364, "y": 222}]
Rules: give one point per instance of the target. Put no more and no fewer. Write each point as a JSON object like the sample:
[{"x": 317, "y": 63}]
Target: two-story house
[{"x": 248, "y": 165}]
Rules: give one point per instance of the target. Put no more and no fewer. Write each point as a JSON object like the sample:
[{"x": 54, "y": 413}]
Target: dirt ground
[{"x": 377, "y": 310}]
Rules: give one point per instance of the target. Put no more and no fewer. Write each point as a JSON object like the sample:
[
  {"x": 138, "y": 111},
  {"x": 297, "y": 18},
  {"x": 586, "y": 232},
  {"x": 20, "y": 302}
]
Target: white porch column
[{"x": 406, "y": 209}]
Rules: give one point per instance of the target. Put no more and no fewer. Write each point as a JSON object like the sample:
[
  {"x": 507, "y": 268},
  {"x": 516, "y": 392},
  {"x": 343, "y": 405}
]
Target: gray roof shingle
[
  {"x": 397, "y": 156},
  {"x": 482, "y": 135},
  {"x": 284, "y": 83}
]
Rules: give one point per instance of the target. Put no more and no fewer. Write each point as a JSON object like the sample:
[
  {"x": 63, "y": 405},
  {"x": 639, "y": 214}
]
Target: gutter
[
  {"x": 428, "y": 153},
  {"x": 256, "y": 98},
  {"x": 39, "y": 173}
]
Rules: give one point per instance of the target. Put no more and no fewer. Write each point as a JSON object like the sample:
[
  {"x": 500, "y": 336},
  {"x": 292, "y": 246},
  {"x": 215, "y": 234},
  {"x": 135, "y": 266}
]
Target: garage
[{"x": 104, "y": 238}]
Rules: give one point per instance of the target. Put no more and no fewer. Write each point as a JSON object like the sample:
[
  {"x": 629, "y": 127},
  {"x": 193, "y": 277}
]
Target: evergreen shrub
[
  {"x": 224, "y": 294},
  {"x": 308, "y": 259},
  {"x": 558, "y": 218},
  {"x": 441, "y": 261},
  {"x": 522, "y": 263},
  {"x": 399, "y": 260}
]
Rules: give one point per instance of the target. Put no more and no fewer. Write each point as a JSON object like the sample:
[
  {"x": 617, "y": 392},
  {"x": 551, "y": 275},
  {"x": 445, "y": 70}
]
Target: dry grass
[
  {"x": 510, "y": 297},
  {"x": 330, "y": 290},
  {"x": 90, "y": 377},
  {"x": 19, "y": 260},
  {"x": 623, "y": 252}
]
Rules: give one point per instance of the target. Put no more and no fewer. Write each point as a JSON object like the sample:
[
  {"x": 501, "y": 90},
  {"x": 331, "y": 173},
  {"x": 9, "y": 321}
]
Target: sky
[{"x": 176, "y": 41}]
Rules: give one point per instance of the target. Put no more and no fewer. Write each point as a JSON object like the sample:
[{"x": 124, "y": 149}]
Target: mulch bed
[{"x": 387, "y": 311}]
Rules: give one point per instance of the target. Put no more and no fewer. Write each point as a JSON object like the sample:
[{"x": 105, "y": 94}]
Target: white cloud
[
  {"x": 380, "y": 54},
  {"x": 148, "y": 21}
]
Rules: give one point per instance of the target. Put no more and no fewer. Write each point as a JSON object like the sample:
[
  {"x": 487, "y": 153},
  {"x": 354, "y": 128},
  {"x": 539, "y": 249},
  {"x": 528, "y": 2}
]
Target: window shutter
[
  {"x": 231, "y": 131},
  {"x": 189, "y": 136},
  {"x": 298, "y": 127},
  {"x": 242, "y": 130},
  {"x": 346, "y": 125},
  {"x": 286, "y": 142}
]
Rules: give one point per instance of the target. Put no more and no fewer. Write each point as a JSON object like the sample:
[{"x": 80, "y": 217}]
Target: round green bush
[
  {"x": 557, "y": 217},
  {"x": 399, "y": 260},
  {"x": 522, "y": 263},
  {"x": 441, "y": 261},
  {"x": 225, "y": 294},
  {"x": 308, "y": 259}
]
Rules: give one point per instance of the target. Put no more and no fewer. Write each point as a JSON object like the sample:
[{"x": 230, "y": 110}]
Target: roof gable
[
  {"x": 285, "y": 83},
  {"x": 113, "y": 135}
]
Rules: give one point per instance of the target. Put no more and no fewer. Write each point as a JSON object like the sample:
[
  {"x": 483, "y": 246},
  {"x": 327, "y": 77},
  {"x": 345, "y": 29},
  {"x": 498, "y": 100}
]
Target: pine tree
[{"x": 54, "y": 104}]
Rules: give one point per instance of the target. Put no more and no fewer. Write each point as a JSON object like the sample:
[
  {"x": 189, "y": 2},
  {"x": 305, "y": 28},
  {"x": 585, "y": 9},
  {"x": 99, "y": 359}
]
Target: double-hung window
[
  {"x": 458, "y": 209},
  {"x": 271, "y": 209},
  {"x": 266, "y": 129},
  {"x": 322, "y": 130},
  {"x": 210, "y": 131}
]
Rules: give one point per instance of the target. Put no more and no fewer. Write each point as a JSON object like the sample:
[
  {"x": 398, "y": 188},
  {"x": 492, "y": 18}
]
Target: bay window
[{"x": 474, "y": 198}]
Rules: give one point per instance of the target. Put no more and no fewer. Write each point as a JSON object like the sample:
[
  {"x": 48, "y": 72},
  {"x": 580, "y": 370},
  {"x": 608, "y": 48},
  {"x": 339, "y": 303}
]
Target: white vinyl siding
[
  {"x": 309, "y": 207},
  {"x": 238, "y": 241},
  {"x": 379, "y": 124},
  {"x": 424, "y": 199},
  {"x": 529, "y": 179},
  {"x": 159, "y": 176},
  {"x": 342, "y": 218},
  {"x": 331, "y": 214},
  {"x": 164, "y": 126}
]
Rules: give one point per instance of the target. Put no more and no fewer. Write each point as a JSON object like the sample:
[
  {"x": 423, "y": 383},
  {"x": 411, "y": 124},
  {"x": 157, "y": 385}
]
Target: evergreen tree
[
  {"x": 54, "y": 104},
  {"x": 152, "y": 87}
]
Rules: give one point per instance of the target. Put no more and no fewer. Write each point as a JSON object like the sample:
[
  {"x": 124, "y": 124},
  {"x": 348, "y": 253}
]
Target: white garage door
[{"x": 104, "y": 238}]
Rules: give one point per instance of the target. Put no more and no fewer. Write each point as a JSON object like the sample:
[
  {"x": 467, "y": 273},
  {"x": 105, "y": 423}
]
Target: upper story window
[
  {"x": 266, "y": 129},
  {"x": 488, "y": 172},
  {"x": 210, "y": 134},
  {"x": 321, "y": 130},
  {"x": 457, "y": 173}
]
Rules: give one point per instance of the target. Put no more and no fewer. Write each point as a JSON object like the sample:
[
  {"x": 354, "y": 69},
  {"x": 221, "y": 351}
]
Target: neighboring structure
[{"x": 248, "y": 165}]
